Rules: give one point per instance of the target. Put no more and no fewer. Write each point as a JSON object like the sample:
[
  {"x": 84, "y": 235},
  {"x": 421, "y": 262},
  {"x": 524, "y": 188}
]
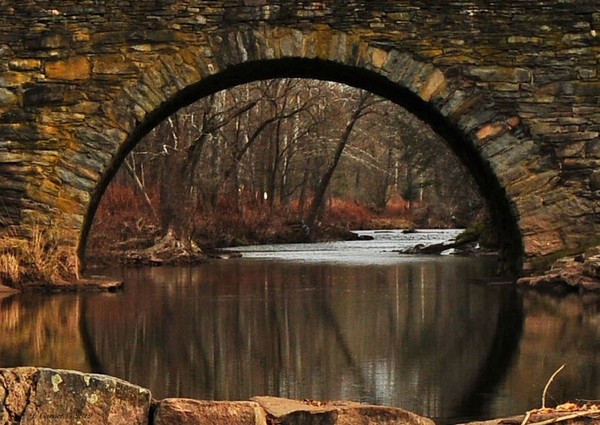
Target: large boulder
[{"x": 36, "y": 396}]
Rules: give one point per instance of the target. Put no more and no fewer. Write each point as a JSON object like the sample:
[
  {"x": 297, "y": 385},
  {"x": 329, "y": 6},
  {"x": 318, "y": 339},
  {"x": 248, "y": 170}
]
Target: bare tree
[{"x": 360, "y": 109}]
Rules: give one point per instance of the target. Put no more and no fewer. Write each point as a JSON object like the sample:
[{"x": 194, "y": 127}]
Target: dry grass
[
  {"x": 39, "y": 259},
  {"x": 10, "y": 269}
]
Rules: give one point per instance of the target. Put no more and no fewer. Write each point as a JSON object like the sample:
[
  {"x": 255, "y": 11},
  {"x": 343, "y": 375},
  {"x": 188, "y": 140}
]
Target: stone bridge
[{"x": 513, "y": 86}]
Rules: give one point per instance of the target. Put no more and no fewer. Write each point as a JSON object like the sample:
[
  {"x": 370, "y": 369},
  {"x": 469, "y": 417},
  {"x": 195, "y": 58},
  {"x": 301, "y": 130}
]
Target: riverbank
[
  {"x": 168, "y": 250},
  {"x": 576, "y": 273},
  {"x": 41, "y": 263},
  {"x": 30, "y": 395}
]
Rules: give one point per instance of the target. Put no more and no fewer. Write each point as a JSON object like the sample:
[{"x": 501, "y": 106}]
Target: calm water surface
[{"x": 351, "y": 320}]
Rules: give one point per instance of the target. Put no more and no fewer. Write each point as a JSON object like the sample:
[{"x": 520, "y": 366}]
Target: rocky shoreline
[
  {"x": 30, "y": 395},
  {"x": 579, "y": 273}
]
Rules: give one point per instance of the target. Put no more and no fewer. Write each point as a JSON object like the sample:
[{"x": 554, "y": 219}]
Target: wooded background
[{"x": 285, "y": 150}]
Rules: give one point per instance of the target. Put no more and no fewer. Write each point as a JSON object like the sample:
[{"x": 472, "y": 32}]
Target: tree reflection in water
[{"x": 42, "y": 330}]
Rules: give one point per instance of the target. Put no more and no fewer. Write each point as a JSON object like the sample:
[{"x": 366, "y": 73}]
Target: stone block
[
  {"x": 501, "y": 74},
  {"x": 595, "y": 180},
  {"x": 14, "y": 79},
  {"x": 378, "y": 58},
  {"x": 180, "y": 411},
  {"x": 50, "y": 94},
  {"x": 75, "y": 68},
  {"x": 25, "y": 64},
  {"x": 491, "y": 130},
  {"x": 357, "y": 414},
  {"x": 399, "y": 16},
  {"x": 294, "y": 412},
  {"x": 40, "y": 396},
  {"x": 7, "y": 97},
  {"x": 587, "y": 88},
  {"x": 113, "y": 65},
  {"x": 285, "y": 411},
  {"x": 516, "y": 39},
  {"x": 52, "y": 41},
  {"x": 16, "y": 386},
  {"x": 435, "y": 83},
  {"x": 255, "y": 2}
]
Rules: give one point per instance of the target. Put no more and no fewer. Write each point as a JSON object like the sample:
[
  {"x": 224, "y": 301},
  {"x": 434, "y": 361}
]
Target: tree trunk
[
  {"x": 317, "y": 203},
  {"x": 140, "y": 186}
]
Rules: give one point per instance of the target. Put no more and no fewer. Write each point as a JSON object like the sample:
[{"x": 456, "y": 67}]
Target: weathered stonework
[{"x": 513, "y": 87}]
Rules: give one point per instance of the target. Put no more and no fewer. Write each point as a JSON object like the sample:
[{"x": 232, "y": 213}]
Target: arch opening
[{"x": 498, "y": 204}]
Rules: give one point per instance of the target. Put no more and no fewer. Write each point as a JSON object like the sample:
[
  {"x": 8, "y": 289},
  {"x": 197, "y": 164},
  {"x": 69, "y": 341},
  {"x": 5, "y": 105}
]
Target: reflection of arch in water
[
  {"x": 239, "y": 333},
  {"x": 501, "y": 355},
  {"x": 451, "y": 335},
  {"x": 455, "y": 113},
  {"x": 88, "y": 345}
]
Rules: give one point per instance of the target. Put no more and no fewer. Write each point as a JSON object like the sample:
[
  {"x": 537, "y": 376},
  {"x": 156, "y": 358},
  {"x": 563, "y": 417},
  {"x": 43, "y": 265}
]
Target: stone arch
[{"x": 494, "y": 147}]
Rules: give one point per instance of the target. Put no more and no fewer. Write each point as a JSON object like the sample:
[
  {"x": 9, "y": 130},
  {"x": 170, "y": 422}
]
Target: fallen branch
[
  {"x": 529, "y": 413},
  {"x": 548, "y": 385}
]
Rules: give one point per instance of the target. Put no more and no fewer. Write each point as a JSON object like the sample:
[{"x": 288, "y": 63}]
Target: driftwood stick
[{"x": 548, "y": 385}]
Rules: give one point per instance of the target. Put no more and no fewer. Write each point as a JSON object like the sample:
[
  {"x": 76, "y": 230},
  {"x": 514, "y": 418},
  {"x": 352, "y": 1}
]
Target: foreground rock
[
  {"x": 579, "y": 273},
  {"x": 183, "y": 411},
  {"x": 30, "y": 395},
  {"x": 284, "y": 411}
]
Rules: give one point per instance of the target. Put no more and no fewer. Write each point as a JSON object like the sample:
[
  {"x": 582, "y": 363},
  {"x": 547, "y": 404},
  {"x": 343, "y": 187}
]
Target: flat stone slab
[
  {"x": 91, "y": 284},
  {"x": 41, "y": 396},
  {"x": 295, "y": 412},
  {"x": 182, "y": 411}
]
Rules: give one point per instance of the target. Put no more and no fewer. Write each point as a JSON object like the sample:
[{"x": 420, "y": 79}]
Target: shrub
[{"x": 346, "y": 214}]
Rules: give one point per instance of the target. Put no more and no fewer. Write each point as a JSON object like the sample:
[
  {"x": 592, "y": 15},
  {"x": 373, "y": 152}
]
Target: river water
[{"x": 345, "y": 320}]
